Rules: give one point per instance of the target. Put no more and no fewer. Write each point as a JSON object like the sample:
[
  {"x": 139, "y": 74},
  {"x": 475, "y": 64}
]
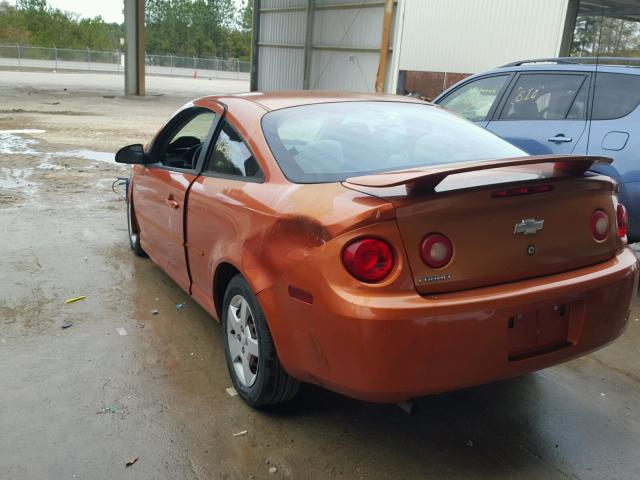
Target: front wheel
[
  {"x": 252, "y": 360},
  {"x": 134, "y": 234}
]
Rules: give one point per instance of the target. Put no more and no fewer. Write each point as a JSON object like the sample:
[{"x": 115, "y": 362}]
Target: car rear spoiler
[{"x": 429, "y": 177}]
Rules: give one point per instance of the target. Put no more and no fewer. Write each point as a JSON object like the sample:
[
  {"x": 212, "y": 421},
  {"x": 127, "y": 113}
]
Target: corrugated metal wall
[
  {"x": 345, "y": 44},
  {"x": 473, "y": 35}
]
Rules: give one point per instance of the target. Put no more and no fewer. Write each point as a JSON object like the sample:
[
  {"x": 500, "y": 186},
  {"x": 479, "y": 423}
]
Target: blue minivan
[{"x": 563, "y": 106}]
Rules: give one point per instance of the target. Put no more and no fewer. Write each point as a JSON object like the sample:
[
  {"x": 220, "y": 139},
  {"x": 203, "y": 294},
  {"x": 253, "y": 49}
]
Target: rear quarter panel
[{"x": 266, "y": 230}]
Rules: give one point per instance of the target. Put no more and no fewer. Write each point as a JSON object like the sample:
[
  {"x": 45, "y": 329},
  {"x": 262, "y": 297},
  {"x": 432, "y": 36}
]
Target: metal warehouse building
[{"x": 339, "y": 44}]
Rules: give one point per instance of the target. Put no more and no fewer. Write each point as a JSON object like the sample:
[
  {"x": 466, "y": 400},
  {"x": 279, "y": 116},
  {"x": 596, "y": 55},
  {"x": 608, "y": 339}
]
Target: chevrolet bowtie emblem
[{"x": 528, "y": 226}]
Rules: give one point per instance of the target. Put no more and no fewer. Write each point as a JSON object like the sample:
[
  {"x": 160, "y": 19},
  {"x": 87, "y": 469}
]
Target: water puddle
[
  {"x": 17, "y": 178},
  {"x": 11, "y": 144},
  {"x": 87, "y": 155},
  {"x": 23, "y": 130}
]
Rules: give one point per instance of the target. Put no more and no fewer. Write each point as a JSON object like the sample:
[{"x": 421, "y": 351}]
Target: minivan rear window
[
  {"x": 616, "y": 95},
  {"x": 330, "y": 142}
]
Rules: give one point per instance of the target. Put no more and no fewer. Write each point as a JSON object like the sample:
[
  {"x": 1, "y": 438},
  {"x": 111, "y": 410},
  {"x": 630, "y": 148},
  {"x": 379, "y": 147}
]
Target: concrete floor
[{"x": 79, "y": 402}]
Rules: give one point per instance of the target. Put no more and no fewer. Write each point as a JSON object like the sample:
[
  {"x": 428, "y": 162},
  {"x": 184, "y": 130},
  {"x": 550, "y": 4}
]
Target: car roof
[
  {"x": 548, "y": 65},
  {"x": 285, "y": 99},
  {"x": 566, "y": 67}
]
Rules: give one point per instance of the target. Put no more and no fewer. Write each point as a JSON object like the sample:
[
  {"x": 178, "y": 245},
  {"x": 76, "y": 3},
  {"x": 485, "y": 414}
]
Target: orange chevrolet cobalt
[{"x": 378, "y": 246}]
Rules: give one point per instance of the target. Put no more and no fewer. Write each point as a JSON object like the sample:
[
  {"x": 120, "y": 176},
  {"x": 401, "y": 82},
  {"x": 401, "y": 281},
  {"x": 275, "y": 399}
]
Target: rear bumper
[{"x": 387, "y": 348}]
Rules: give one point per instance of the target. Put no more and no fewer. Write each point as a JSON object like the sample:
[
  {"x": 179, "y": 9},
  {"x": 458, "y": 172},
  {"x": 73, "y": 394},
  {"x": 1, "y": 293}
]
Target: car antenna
[{"x": 595, "y": 77}]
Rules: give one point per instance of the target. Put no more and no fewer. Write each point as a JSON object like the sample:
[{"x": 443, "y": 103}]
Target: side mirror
[{"x": 132, "y": 154}]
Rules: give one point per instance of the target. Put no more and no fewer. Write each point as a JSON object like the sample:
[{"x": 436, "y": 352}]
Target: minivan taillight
[
  {"x": 368, "y": 259},
  {"x": 622, "y": 220},
  {"x": 436, "y": 250},
  {"x": 599, "y": 225}
]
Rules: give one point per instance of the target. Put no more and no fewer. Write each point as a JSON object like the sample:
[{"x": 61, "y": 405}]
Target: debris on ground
[
  {"x": 74, "y": 299},
  {"x": 273, "y": 470},
  {"x": 141, "y": 324},
  {"x": 408, "y": 406},
  {"x": 603, "y": 394},
  {"x": 121, "y": 331},
  {"x": 67, "y": 324},
  {"x": 180, "y": 306},
  {"x": 231, "y": 391},
  {"x": 240, "y": 434},
  {"x": 110, "y": 409},
  {"x": 469, "y": 443},
  {"x": 154, "y": 311},
  {"x": 131, "y": 461}
]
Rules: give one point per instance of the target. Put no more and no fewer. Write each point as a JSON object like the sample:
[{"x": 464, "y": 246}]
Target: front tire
[
  {"x": 252, "y": 360},
  {"x": 134, "y": 233}
]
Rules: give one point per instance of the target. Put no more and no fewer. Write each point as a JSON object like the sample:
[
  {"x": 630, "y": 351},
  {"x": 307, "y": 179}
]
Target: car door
[
  {"x": 544, "y": 113},
  {"x": 218, "y": 206},
  {"x": 161, "y": 186},
  {"x": 477, "y": 98}
]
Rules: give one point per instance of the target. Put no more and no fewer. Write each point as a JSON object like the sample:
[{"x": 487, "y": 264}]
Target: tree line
[
  {"x": 204, "y": 28},
  {"x": 605, "y": 36}
]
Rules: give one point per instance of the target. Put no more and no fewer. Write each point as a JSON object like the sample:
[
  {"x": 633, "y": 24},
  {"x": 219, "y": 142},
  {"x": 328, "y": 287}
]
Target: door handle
[
  {"x": 172, "y": 203},
  {"x": 560, "y": 138}
]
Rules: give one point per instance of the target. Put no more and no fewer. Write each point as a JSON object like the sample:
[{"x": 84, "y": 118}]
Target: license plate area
[{"x": 543, "y": 330}]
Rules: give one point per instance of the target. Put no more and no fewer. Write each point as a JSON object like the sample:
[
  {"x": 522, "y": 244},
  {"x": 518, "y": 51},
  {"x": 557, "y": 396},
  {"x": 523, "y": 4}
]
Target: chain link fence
[{"x": 27, "y": 56}]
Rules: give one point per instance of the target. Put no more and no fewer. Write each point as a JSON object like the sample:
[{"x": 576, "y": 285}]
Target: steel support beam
[
  {"x": 255, "y": 46},
  {"x": 569, "y": 27},
  {"x": 308, "y": 42},
  {"x": 330, "y": 6},
  {"x": 134, "y": 56}
]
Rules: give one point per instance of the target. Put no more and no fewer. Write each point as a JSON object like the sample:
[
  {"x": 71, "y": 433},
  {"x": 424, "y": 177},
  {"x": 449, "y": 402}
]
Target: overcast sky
[{"x": 110, "y": 10}]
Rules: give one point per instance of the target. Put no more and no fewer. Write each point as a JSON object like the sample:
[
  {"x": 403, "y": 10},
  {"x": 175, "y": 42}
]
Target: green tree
[
  {"x": 204, "y": 28},
  {"x": 12, "y": 26},
  {"x": 605, "y": 36}
]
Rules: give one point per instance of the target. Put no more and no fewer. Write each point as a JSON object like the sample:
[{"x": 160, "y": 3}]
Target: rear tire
[
  {"x": 134, "y": 234},
  {"x": 252, "y": 360}
]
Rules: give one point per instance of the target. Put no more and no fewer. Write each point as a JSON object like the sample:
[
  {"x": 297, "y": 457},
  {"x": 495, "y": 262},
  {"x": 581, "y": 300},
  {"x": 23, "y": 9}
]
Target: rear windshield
[{"x": 331, "y": 142}]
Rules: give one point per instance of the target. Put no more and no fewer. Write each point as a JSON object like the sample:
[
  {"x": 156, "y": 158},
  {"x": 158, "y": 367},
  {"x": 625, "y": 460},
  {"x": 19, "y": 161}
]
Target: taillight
[
  {"x": 622, "y": 219},
  {"x": 436, "y": 250},
  {"x": 599, "y": 225},
  {"x": 369, "y": 259},
  {"x": 516, "y": 192}
]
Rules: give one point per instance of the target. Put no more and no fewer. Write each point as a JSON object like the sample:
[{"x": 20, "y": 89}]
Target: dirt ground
[{"x": 123, "y": 383}]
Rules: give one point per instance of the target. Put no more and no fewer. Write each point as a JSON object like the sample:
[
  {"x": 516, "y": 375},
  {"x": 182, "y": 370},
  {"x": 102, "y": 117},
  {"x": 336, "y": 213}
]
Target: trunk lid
[{"x": 497, "y": 238}]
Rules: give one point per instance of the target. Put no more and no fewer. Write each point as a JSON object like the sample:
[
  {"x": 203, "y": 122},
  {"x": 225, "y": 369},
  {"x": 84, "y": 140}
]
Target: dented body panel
[{"x": 401, "y": 337}]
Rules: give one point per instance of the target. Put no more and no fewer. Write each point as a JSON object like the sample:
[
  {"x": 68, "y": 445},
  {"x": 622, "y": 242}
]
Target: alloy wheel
[{"x": 242, "y": 339}]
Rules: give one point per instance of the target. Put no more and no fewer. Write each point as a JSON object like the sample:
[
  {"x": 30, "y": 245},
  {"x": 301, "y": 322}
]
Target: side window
[
  {"x": 475, "y": 99},
  {"x": 578, "y": 110},
  {"x": 181, "y": 149},
  {"x": 616, "y": 95},
  {"x": 542, "y": 97},
  {"x": 231, "y": 156}
]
